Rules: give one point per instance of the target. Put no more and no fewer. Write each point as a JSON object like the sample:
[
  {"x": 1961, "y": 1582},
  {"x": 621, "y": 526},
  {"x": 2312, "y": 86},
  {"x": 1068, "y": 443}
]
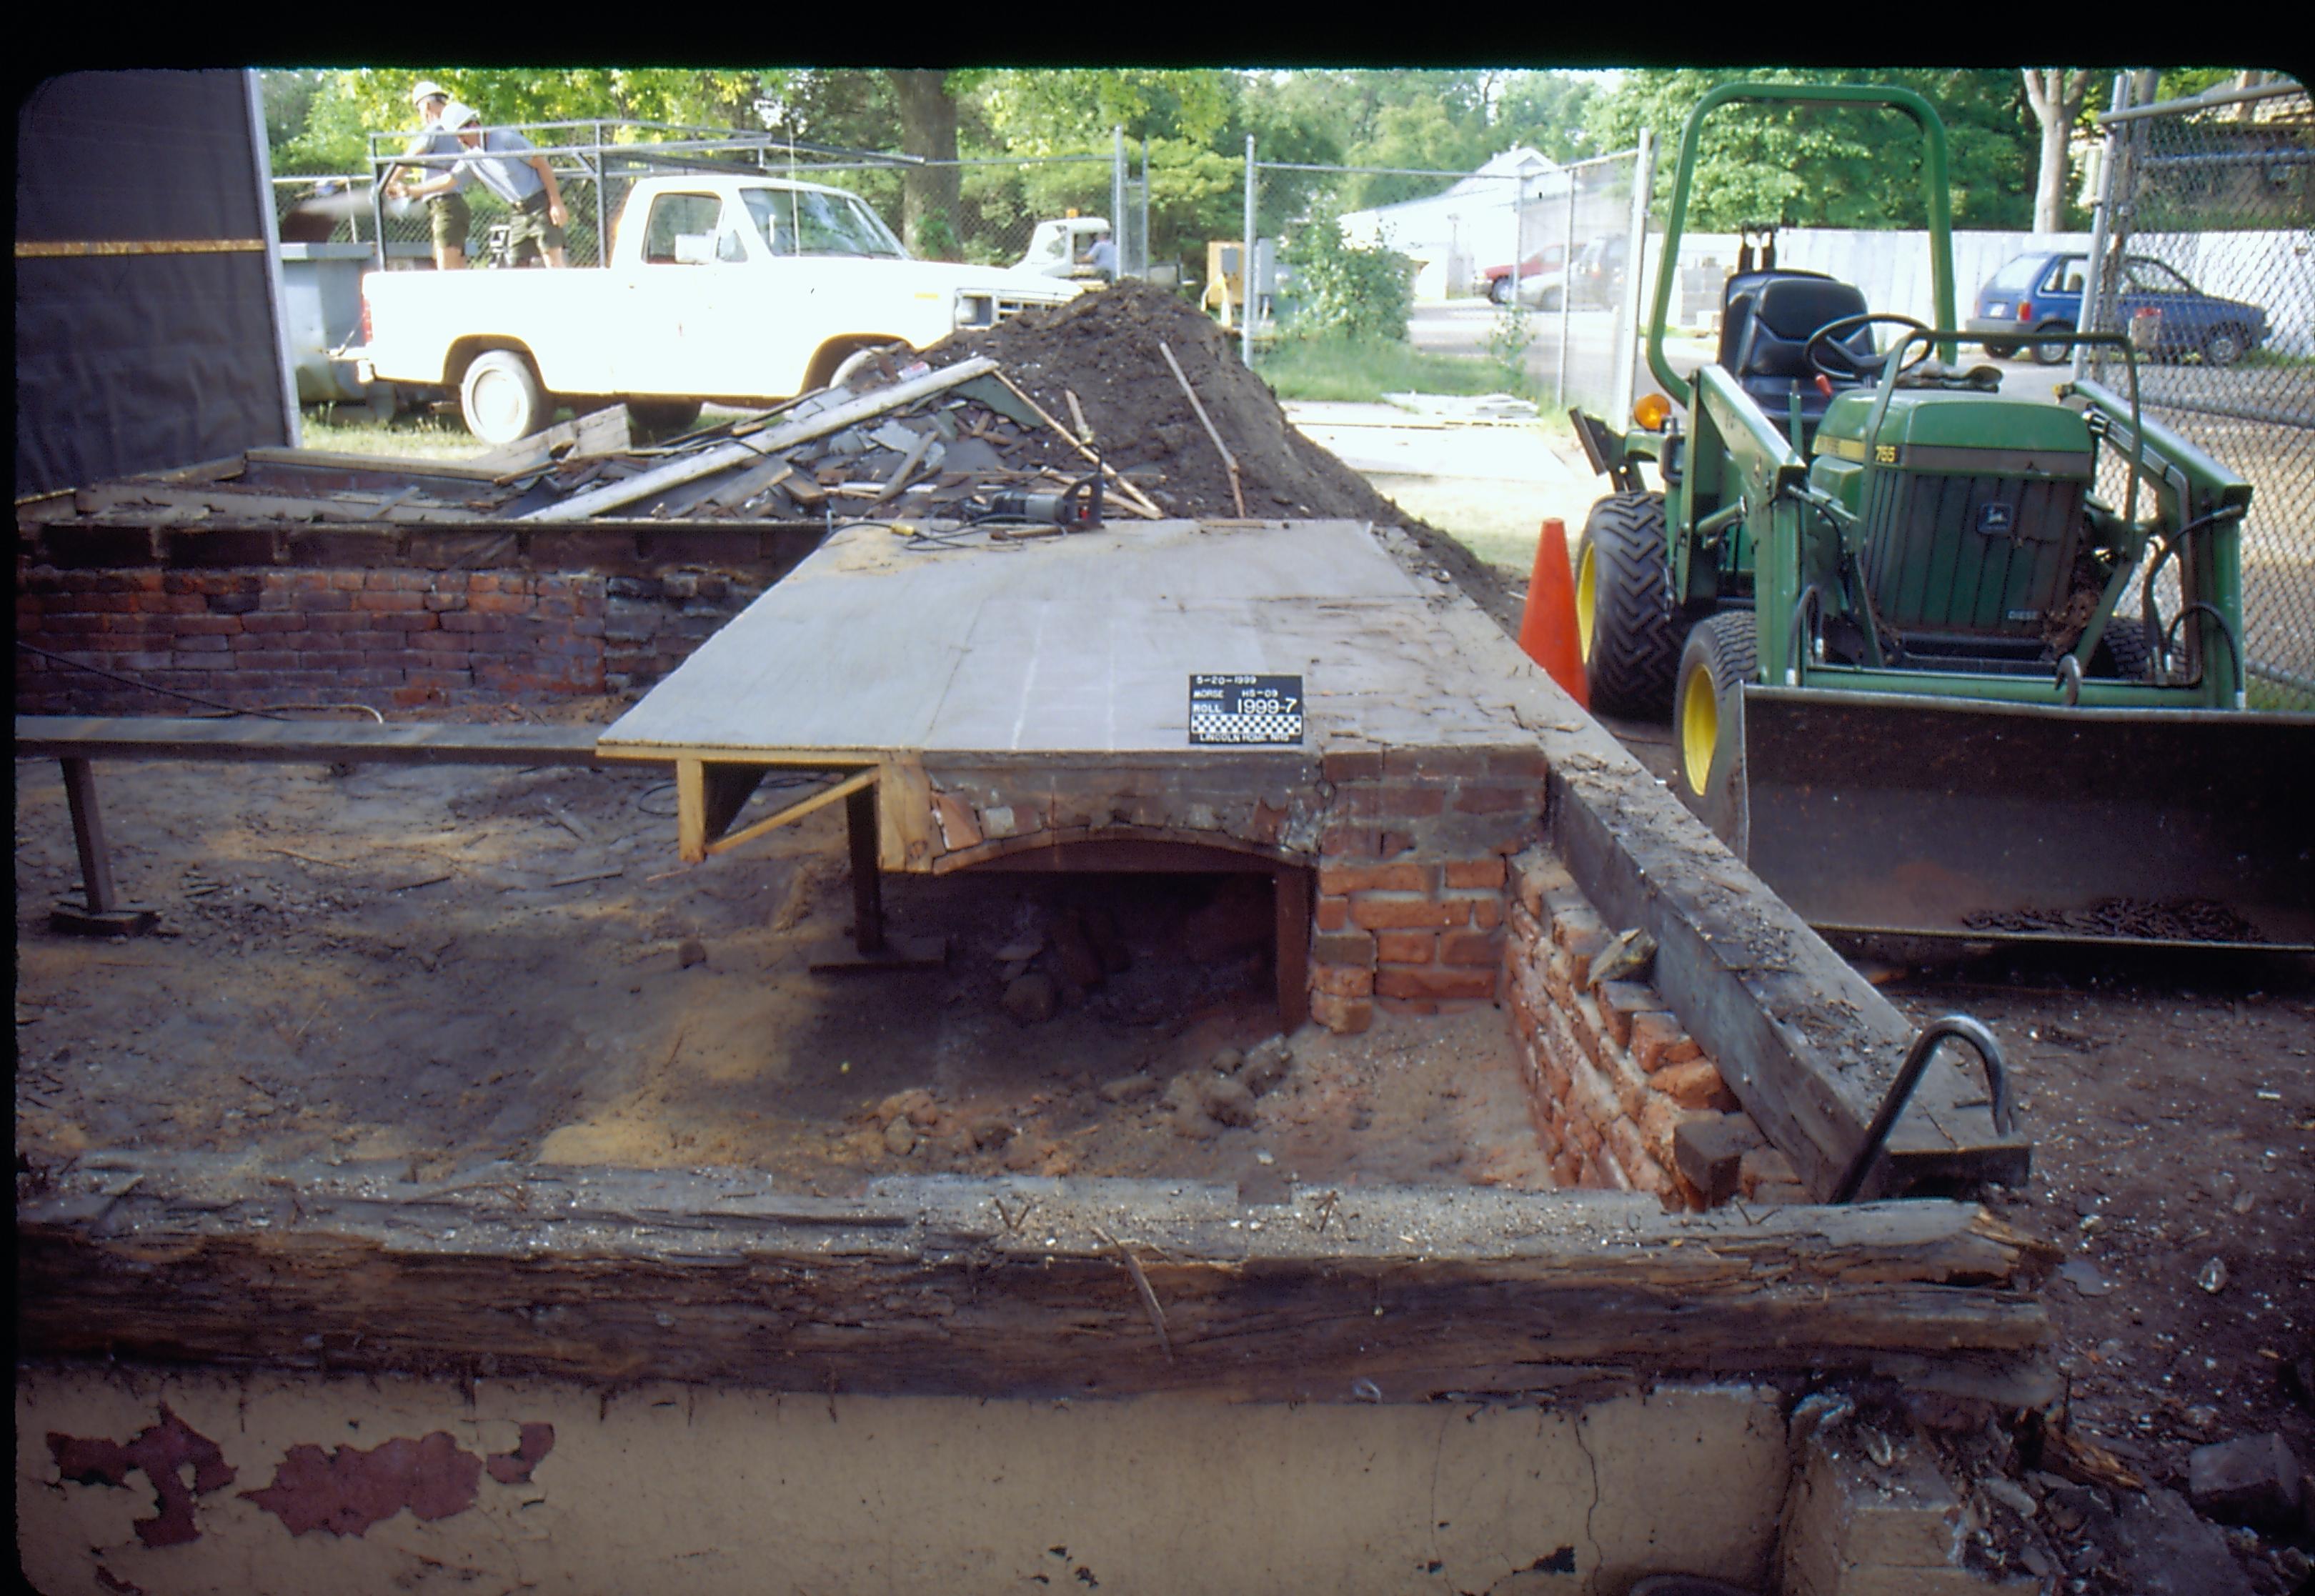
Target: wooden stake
[
  {"x": 1229, "y": 459},
  {"x": 1133, "y": 495}
]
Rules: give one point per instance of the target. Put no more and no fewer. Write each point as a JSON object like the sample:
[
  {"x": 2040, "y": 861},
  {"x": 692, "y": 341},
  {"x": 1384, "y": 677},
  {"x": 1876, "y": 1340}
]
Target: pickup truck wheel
[
  {"x": 663, "y": 418},
  {"x": 2053, "y": 354},
  {"x": 1629, "y": 644},
  {"x": 501, "y": 398}
]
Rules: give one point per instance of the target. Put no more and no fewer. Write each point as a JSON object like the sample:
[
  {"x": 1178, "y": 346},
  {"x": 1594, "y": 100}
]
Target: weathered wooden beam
[
  {"x": 250, "y": 739},
  {"x": 1805, "y": 1042},
  {"x": 742, "y": 451},
  {"x": 999, "y": 1288}
]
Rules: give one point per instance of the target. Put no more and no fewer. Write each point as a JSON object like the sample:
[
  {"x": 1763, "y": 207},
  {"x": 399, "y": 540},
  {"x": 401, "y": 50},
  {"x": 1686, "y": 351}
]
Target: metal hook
[
  {"x": 2069, "y": 679},
  {"x": 1909, "y": 1075}
]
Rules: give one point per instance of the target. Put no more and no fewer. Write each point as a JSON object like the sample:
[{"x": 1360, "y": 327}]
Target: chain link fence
[
  {"x": 1530, "y": 271},
  {"x": 2203, "y": 255},
  {"x": 998, "y": 201}
]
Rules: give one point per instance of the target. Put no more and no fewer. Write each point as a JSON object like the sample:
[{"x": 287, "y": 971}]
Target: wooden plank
[
  {"x": 720, "y": 456},
  {"x": 691, "y": 810},
  {"x": 475, "y": 471},
  {"x": 845, "y": 788},
  {"x": 227, "y": 499},
  {"x": 159, "y": 737},
  {"x": 936, "y": 1286},
  {"x": 605, "y": 431}
]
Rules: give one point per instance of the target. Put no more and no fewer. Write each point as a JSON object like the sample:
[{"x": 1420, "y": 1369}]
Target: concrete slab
[{"x": 550, "y": 1485}]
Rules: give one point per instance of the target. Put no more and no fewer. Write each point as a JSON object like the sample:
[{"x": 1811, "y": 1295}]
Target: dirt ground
[
  {"x": 446, "y": 974},
  {"x": 381, "y": 965}
]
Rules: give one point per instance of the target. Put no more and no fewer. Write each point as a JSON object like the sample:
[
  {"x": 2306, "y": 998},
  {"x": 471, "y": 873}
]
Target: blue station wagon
[{"x": 2042, "y": 292}]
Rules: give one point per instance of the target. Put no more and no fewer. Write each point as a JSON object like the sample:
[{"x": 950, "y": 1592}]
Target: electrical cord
[{"x": 148, "y": 687}]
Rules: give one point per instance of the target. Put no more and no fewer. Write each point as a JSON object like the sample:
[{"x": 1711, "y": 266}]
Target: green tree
[
  {"x": 1545, "y": 111},
  {"x": 1833, "y": 166},
  {"x": 1343, "y": 290}
]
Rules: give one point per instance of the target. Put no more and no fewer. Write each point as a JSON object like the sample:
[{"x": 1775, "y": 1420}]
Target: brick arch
[{"x": 1139, "y": 850}]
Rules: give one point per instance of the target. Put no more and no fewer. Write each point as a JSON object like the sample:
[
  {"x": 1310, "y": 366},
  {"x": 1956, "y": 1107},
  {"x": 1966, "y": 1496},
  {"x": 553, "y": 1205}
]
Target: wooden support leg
[
  {"x": 99, "y": 913},
  {"x": 867, "y": 885},
  {"x": 871, "y": 949},
  {"x": 1290, "y": 892}
]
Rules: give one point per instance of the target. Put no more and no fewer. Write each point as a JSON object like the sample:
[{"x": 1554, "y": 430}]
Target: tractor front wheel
[
  {"x": 1708, "y": 722},
  {"x": 1623, "y": 619}
]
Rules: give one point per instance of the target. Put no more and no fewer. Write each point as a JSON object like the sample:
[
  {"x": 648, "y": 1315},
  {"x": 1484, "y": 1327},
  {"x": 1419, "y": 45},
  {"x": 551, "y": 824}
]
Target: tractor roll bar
[{"x": 1933, "y": 188}]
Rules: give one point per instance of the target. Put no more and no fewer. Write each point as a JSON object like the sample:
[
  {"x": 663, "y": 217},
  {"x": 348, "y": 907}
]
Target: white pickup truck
[{"x": 726, "y": 287}]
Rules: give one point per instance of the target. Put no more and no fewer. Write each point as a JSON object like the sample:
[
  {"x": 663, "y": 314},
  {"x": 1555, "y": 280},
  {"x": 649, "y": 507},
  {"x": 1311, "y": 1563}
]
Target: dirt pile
[{"x": 1108, "y": 348}]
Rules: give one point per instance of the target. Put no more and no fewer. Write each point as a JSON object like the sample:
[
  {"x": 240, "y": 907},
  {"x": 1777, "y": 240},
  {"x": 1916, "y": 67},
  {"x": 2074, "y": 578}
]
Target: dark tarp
[{"x": 153, "y": 360}]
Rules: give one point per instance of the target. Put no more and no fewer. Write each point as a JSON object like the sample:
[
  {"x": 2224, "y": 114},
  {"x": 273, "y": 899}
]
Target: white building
[{"x": 1456, "y": 235}]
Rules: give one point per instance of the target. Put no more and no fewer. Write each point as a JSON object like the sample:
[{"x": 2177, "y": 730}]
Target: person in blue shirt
[
  {"x": 446, "y": 208},
  {"x": 509, "y": 165},
  {"x": 1102, "y": 257}
]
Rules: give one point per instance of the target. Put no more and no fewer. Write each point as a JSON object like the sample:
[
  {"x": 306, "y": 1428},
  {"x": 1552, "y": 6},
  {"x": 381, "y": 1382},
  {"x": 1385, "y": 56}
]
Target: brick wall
[
  {"x": 388, "y": 638},
  {"x": 1410, "y": 908},
  {"x": 1620, "y": 1092}
]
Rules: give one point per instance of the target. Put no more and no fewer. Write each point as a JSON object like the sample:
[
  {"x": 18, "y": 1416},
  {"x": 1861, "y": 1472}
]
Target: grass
[
  {"x": 1343, "y": 370},
  {"x": 414, "y": 435}
]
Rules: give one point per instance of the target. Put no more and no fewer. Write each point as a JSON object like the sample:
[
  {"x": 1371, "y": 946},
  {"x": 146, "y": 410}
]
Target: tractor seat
[{"x": 1770, "y": 319}]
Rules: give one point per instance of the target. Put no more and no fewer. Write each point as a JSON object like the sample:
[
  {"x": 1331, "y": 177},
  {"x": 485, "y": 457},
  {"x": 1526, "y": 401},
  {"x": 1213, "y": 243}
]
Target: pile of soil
[{"x": 1109, "y": 347}]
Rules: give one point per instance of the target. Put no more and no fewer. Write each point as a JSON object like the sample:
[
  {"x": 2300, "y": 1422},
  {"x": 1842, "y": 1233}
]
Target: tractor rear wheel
[
  {"x": 1708, "y": 722},
  {"x": 1630, "y": 646}
]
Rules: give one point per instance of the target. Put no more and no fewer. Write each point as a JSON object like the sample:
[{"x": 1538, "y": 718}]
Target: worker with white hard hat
[
  {"x": 506, "y": 164},
  {"x": 446, "y": 207}
]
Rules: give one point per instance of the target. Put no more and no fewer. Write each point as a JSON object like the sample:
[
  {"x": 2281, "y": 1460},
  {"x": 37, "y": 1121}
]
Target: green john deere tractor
[{"x": 1892, "y": 621}]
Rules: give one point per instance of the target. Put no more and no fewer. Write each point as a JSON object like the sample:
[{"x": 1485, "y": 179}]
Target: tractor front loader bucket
[{"x": 1903, "y": 815}]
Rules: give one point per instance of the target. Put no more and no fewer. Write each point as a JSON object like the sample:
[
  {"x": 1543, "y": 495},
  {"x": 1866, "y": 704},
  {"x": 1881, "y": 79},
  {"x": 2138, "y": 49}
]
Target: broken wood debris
[{"x": 921, "y": 444}]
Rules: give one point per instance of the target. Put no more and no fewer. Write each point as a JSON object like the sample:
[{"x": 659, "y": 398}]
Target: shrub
[{"x": 1341, "y": 289}]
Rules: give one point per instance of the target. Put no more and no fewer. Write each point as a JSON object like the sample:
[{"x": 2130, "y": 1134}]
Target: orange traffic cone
[{"x": 1547, "y": 627}]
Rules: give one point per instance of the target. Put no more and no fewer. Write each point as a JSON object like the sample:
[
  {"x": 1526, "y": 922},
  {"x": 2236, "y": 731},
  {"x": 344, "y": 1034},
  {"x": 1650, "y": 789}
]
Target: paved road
[{"x": 1462, "y": 327}]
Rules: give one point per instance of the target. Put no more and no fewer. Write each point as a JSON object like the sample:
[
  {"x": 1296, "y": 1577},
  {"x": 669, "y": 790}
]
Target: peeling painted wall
[{"x": 358, "y": 1485}]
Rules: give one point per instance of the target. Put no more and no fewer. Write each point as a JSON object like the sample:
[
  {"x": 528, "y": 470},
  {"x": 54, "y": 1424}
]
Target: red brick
[
  {"x": 206, "y": 626},
  {"x": 346, "y": 582},
  {"x": 1346, "y": 842},
  {"x": 1400, "y": 763},
  {"x": 1471, "y": 948},
  {"x": 1405, "y": 911},
  {"x": 1528, "y": 762},
  {"x": 1657, "y": 1040},
  {"x": 377, "y": 598},
  {"x": 1434, "y": 982},
  {"x": 1405, "y": 947},
  {"x": 1696, "y": 1084},
  {"x": 441, "y": 602},
  {"x": 402, "y": 620},
  {"x": 1343, "y": 948},
  {"x": 248, "y": 643},
  {"x": 440, "y": 678},
  {"x": 1342, "y": 1015},
  {"x": 1486, "y": 911},
  {"x": 463, "y": 622},
  {"x": 1409, "y": 801},
  {"x": 1619, "y": 1000},
  {"x": 1369, "y": 878},
  {"x": 1494, "y": 800},
  {"x": 1342, "y": 981},
  {"x": 1346, "y": 765},
  {"x": 1390, "y": 845},
  {"x": 394, "y": 582},
  {"x": 1407, "y": 1005},
  {"x": 414, "y": 698},
  {"x": 501, "y": 603},
  {"x": 275, "y": 621},
  {"x": 1578, "y": 930},
  {"x": 1474, "y": 872},
  {"x": 219, "y": 661},
  {"x": 1334, "y": 914}
]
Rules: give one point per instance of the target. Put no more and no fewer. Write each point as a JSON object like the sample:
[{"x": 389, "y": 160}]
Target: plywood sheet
[{"x": 1082, "y": 644}]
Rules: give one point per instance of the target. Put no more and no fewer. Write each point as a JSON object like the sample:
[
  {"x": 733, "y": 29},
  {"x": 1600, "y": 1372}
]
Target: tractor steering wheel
[{"x": 1827, "y": 356}]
